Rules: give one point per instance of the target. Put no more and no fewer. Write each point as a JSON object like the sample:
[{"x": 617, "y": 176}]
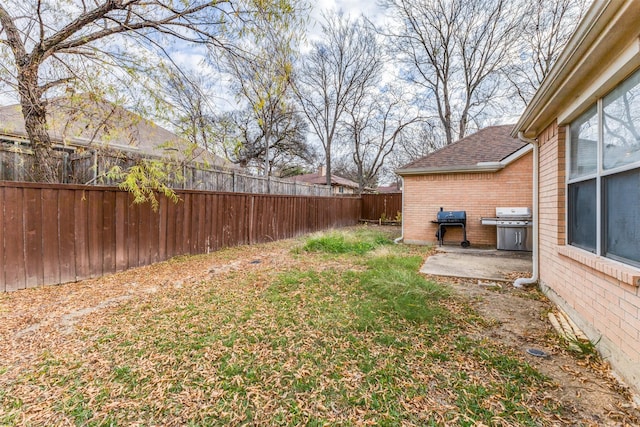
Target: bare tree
[
  {"x": 243, "y": 142},
  {"x": 191, "y": 114},
  {"x": 454, "y": 50},
  {"x": 262, "y": 79},
  {"x": 373, "y": 128},
  {"x": 47, "y": 47},
  {"x": 548, "y": 25},
  {"x": 334, "y": 74}
]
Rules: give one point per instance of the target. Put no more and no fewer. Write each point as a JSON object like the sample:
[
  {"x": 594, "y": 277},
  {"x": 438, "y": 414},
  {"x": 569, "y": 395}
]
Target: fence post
[
  {"x": 65, "y": 166},
  {"x": 95, "y": 167}
]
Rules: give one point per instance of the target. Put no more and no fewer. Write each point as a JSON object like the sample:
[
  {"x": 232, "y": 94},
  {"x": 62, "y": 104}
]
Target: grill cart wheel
[{"x": 465, "y": 244}]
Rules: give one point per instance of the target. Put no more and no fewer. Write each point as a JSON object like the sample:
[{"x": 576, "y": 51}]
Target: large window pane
[
  {"x": 582, "y": 214},
  {"x": 584, "y": 144},
  {"x": 621, "y": 124},
  {"x": 622, "y": 216}
]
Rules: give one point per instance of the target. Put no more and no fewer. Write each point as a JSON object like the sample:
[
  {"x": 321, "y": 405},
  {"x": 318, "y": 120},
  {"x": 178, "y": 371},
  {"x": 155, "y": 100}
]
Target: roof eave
[
  {"x": 477, "y": 168},
  {"x": 589, "y": 39}
]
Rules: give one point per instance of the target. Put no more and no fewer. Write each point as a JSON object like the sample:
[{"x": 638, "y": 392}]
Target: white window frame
[{"x": 598, "y": 175}]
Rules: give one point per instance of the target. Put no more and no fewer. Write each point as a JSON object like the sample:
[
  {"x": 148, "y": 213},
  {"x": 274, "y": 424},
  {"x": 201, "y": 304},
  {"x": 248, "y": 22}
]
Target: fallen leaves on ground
[{"x": 261, "y": 335}]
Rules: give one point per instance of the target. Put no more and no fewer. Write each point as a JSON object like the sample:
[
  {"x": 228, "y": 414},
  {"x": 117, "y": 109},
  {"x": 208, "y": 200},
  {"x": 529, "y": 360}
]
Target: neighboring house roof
[
  {"x": 489, "y": 149},
  {"x": 321, "y": 179},
  {"x": 608, "y": 31},
  {"x": 81, "y": 122},
  {"x": 393, "y": 188}
]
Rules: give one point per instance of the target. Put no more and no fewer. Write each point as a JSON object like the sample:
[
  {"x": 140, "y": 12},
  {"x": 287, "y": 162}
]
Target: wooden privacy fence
[
  {"x": 385, "y": 206},
  {"x": 89, "y": 167},
  {"x": 52, "y": 234}
]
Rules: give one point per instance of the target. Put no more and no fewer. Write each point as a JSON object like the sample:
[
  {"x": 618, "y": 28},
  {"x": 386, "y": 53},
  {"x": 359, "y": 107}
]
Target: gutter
[
  {"x": 399, "y": 239},
  {"x": 524, "y": 281},
  {"x": 478, "y": 167}
]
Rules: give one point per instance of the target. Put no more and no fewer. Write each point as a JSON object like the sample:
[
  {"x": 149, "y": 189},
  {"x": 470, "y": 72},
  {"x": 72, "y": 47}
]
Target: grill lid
[
  {"x": 452, "y": 216},
  {"x": 513, "y": 212}
]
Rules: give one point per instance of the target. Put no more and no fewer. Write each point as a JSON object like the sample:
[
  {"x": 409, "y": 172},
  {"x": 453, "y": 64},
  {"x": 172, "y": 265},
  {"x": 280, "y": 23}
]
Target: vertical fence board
[
  {"x": 222, "y": 221},
  {"x": 257, "y": 219},
  {"x": 33, "y": 237},
  {"x": 202, "y": 218},
  {"x": 14, "y": 236},
  {"x": 154, "y": 234},
  {"x": 161, "y": 229},
  {"x": 109, "y": 232},
  {"x": 217, "y": 220},
  {"x": 244, "y": 215},
  {"x": 276, "y": 217},
  {"x": 196, "y": 222},
  {"x": 67, "y": 233},
  {"x": 95, "y": 232},
  {"x": 185, "y": 243},
  {"x": 273, "y": 216},
  {"x": 232, "y": 220},
  {"x": 3, "y": 283},
  {"x": 121, "y": 220},
  {"x": 51, "y": 237},
  {"x": 180, "y": 226},
  {"x": 133, "y": 229},
  {"x": 172, "y": 230},
  {"x": 144, "y": 233},
  {"x": 81, "y": 235},
  {"x": 207, "y": 222}
]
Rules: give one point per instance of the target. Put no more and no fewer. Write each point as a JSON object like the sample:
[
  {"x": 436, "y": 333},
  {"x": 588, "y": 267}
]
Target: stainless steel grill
[{"x": 513, "y": 228}]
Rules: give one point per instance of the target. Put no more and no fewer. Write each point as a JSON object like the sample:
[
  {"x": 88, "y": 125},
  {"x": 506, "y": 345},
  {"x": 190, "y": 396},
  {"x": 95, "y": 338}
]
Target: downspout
[
  {"x": 399, "y": 239},
  {"x": 524, "y": 281}
]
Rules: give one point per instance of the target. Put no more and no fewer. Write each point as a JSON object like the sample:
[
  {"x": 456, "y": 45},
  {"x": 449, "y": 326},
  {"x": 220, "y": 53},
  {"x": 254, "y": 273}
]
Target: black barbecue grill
[{"x": 446, "y": 219}]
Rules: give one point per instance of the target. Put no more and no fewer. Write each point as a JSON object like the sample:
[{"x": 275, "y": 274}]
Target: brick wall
[
  {"x": 476, "y": 193},
  {"x": 601, "y": 295}
]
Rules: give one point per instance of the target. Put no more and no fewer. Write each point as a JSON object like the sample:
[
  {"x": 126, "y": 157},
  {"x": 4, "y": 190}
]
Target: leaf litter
[{"x": 267, "y": 335}]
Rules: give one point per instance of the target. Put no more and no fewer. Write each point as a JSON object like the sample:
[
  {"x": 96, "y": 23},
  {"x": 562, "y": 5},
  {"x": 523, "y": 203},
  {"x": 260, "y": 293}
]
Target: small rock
[
  {"x": 489, "y": 285},
  {"x": 537, "y": 353}
]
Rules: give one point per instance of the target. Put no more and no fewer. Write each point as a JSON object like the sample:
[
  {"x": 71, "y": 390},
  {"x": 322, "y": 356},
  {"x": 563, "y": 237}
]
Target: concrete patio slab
[{"x": 472, "y": 263}]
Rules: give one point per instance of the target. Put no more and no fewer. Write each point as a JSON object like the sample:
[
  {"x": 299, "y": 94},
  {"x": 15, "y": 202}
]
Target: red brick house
[
  {"x": 584, "y": 122},
  {"x": 476, "y": 174}
]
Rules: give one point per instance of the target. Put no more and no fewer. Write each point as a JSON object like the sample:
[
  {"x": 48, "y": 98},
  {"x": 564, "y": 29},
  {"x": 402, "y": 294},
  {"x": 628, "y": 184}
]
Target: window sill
[{"x": 624, "y": 273}]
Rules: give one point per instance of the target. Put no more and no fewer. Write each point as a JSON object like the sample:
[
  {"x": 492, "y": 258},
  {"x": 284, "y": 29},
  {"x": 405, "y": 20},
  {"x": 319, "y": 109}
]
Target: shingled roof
[
  {"x": 481, "y": 151},
  {"x": 320, "y": 179},
  {"x": 81, "y": 122}
]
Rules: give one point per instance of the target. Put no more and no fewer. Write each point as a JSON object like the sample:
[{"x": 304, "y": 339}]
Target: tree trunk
[
  {"x": 327, "y": 152},
  {"x": 35, "y": 123}
]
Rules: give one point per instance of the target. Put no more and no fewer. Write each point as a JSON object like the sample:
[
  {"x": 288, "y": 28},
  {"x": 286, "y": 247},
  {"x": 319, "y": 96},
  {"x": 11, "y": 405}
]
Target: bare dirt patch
[{"x": 585, "y": 383}]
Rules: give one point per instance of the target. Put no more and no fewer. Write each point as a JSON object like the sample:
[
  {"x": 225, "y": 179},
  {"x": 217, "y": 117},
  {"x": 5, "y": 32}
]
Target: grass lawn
[{"x": 343, "y": 331}]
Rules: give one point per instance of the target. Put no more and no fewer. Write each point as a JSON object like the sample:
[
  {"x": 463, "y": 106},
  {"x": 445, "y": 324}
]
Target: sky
[
  {"x": 354, "y": 8},
  {"x": 193, "y": 58}
]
